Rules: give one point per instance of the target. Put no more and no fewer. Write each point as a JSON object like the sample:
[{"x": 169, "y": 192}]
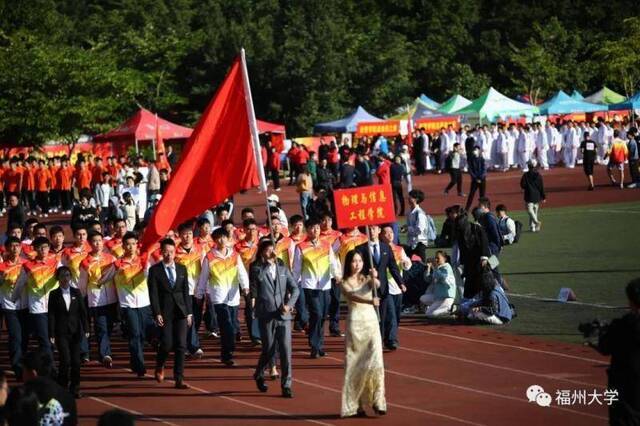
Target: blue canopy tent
[
  {"x": 561, "y": 103},
  {"x": 430, "y": 102},
  {"x": 423, "y": 111},
  {"x": 348, "y": 124},
  {"x": 633, "y": 103},
  {"x": 577, "y": 95}
]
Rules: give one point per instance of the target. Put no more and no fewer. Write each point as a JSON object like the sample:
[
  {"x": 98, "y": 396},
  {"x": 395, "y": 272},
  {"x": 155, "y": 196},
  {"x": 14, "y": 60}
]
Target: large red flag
[{"x": 217, "y": 161}]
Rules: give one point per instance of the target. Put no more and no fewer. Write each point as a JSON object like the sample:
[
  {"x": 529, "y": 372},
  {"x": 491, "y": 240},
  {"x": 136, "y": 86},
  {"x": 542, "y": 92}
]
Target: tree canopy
[{"x": 69, "y": 67}]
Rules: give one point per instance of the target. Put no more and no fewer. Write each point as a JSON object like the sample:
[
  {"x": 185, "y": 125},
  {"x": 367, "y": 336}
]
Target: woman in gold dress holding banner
[{"x": 364, "y": 367}]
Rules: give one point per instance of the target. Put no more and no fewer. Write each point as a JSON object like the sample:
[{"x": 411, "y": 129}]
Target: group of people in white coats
[{"x": 506, "y": 146}]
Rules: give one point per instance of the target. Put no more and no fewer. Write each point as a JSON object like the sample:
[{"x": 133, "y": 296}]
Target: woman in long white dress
[{"x": 364, "y": 367}]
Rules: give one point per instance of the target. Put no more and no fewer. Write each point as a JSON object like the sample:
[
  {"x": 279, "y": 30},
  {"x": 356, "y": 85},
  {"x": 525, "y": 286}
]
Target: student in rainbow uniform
[
  {"x": 130, "y": 281},
  {"x": 56, "y": 236},
  {"x": 394, "y": 303},
  {"x": 331, "y": 235},
  {"x": 247, "y": 249},
  {"x": 297, "y": 235},
  {"x": 314, "y": 265},
  {"x": 15, "y": 313},
  {"x": 190, "y": 254},
  {"x": 223, "y": 277},
  {"x": 284, "y": 246},
  {"x": 38, "y": 278},
  {"x": 96, "y": 282},
  {"x": 114, "y": 245}
]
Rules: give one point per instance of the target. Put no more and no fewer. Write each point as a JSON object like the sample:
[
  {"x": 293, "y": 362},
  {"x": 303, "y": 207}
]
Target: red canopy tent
[
  {"x": 277, "y": 132},
  {"x": 141, "y": 127}
]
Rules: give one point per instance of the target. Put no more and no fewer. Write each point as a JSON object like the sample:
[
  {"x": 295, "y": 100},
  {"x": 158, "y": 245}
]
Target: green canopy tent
[
  {"x": 404, "y": 112},
  {"x": 605, "y": 96},
  {"x": 453, "y": 104},
  {"x": 493, "y": 106}
]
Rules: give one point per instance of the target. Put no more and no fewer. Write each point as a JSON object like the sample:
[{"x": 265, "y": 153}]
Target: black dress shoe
[
  {"x": 286, "y": 393},
  {"x": 229, "y": 362},
  {"x": 262, "y": 386},
  {"x": 314, "y": 355},
  {"x": 336, "y": 333},
  {"x": 392, "y": 346},
  {"x": 180, "y": 384},
  {"x": 322, "y": 353}
]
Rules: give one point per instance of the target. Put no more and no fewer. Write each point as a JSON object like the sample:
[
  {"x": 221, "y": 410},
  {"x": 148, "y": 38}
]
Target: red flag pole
[{"x": 253, "y": 126}]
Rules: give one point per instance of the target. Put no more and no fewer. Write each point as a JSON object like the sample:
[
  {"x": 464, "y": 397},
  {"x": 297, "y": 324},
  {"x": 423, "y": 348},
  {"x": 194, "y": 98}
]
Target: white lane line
[
  {"x": 548, "y": 299},
  {"x": 493, "y": 394},
  {"x": 206, "y": 392},
  {"x": 459, "y": 387},
  {"x": 390, "y": 404},
  {"x": 523, "y": 348},
  {"x": 499, "y": 367},
  {"x": 249, "y": 404},
  {"x": 130, "y": 411}
]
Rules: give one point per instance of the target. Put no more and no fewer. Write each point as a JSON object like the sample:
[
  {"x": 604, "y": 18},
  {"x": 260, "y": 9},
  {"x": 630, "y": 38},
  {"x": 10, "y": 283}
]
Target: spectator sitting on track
[
  {"x": 492, "y": 305},
  {"x": 441, "y": 293},
  {"x": 506, "y": 225}
]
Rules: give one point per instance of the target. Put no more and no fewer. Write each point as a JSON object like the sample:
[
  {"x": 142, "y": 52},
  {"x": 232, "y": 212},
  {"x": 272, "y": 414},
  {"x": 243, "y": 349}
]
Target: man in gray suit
[{"x": 274, "y": 293}]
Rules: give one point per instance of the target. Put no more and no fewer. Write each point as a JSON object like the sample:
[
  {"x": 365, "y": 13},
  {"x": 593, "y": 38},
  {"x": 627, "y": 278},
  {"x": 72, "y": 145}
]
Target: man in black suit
[
  {"x": 347, "y": 174},
  {"x": 67, "y": 324},
  {"x": 383, "y": 260},
  {"x": 171, "y": 306}
]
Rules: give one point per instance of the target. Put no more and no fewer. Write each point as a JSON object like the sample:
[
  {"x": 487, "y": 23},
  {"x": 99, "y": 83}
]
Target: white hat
[{"x": 273, "y": 198}]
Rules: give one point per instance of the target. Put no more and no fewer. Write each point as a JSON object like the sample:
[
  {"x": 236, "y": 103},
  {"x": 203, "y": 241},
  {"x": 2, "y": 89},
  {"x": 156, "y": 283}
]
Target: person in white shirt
[
  {"x": 554, "y": 141},
  {"x": 513, "y": 133},
  {"x": 314, "y": 265},
  {"x": 502, "y": 148},
  {"x": 420, "y": 227},
  {"x": 506, "y": 225},
  {"x": 602, "y": 140},
  {"x": 571, "y": 145},
  {"x": 222, "y": 279},
  {"x": 524, "y": 147},
  {"x": 542, "y": 146}
]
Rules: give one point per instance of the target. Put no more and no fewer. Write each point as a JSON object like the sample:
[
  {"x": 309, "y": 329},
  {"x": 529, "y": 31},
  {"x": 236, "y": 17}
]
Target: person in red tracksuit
[
  {"x": 43, "y": 185},
  {"x": 273, "y": 167}
]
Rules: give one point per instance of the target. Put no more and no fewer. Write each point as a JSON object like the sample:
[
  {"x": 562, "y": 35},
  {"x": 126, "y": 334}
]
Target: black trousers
[
  {"x": 173, "y": 336},
  {"x": 54, "y": 198},
  {"x": 633, "y": 170},
  {"x": 275, "y": 177},
  {"x": 420, "y": 164},
  {"x": 475, "y": 185},
  {"x": 43, "y": 201},
  {"x": 65, "y": 199},
  {"x": 398, "y": 198},
  {"x": 456, "y": 180},
  {"x": 69, "y": 360}
]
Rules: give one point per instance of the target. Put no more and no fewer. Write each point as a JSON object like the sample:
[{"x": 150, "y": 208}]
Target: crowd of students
[{"x": 103, "y": 274}]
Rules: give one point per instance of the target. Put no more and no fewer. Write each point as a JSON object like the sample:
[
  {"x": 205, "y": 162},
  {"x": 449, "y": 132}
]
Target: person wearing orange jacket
[
  {"x": 42, "y": 177},
  {"x": 12, "y": 178},
  {"x": 54, "y": 191},
  {"x": 64, "y": 180},
  {"x": 83, "y": 176},
  {"x": 29, "y": 184}
]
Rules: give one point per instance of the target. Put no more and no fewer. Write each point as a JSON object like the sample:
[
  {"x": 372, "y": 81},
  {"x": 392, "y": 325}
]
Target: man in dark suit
[
  {"x": 383, "y": 261},
  {"x": 67, "y": 324},
  {"x": 274, "y": 293},
  {"x": 347, "y": 174},
  {"x": 171, "y": 306}
]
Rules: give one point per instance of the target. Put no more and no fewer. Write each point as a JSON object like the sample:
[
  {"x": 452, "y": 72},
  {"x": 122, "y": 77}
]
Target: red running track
[{"x": 441, "y": 375}]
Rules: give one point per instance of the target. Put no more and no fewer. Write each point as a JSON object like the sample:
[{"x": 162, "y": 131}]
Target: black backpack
[{"x": 519, "y": 227}]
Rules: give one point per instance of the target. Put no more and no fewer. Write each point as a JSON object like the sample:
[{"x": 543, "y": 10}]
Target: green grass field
[{"x": 590, "y": 249}]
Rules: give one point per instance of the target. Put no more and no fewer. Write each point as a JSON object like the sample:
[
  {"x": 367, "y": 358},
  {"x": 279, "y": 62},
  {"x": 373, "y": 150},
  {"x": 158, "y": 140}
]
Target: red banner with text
[
  {"x": 436, "y": 123},
  {"x": 384, "y": 128},
  {"x": 365, "y": 205}
]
